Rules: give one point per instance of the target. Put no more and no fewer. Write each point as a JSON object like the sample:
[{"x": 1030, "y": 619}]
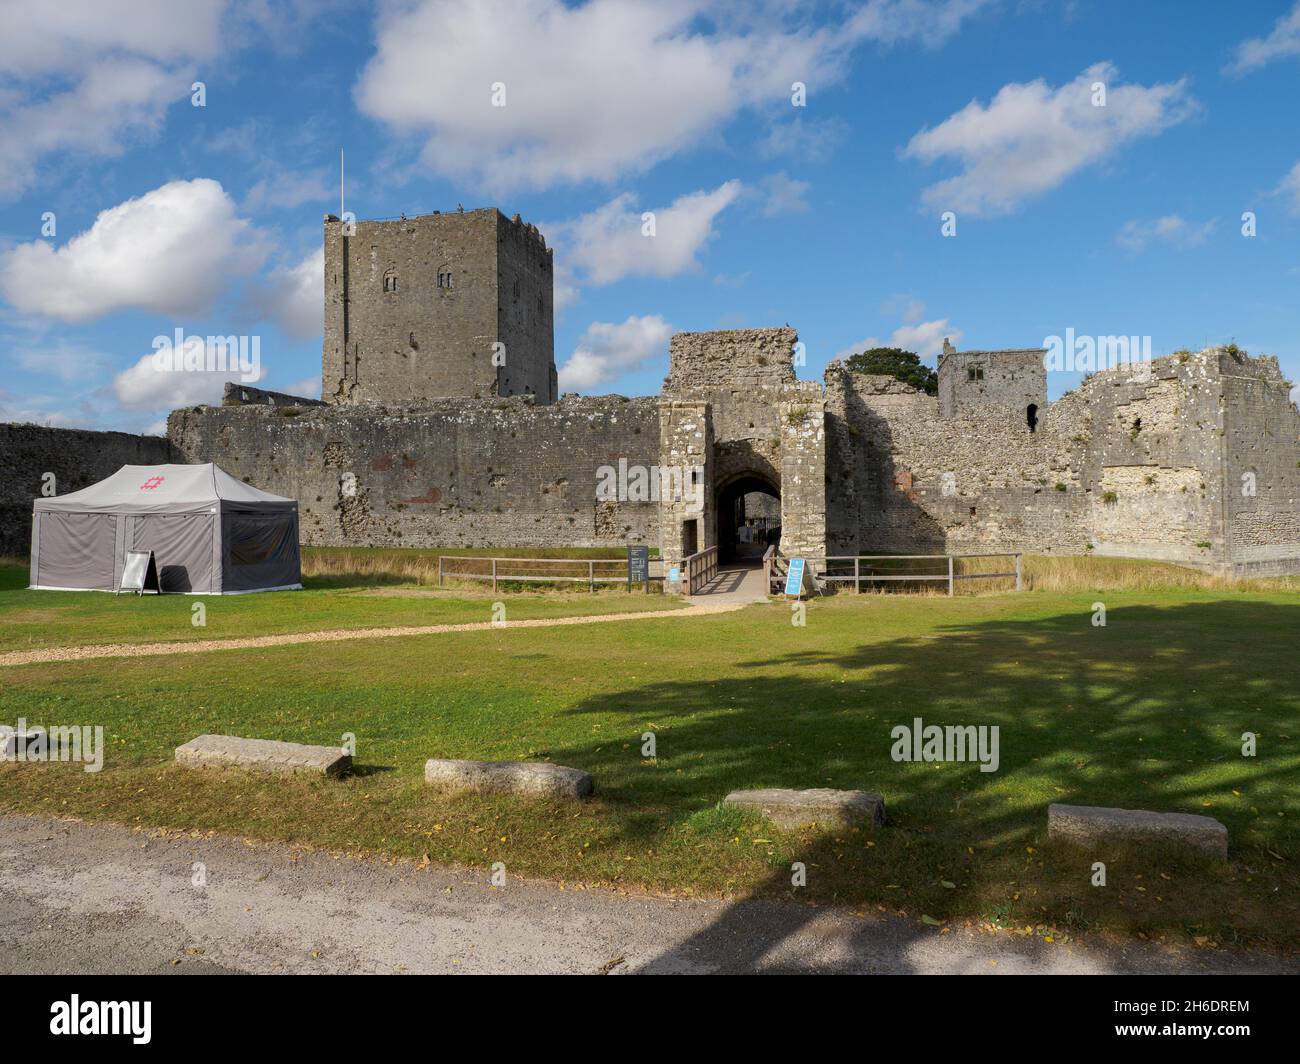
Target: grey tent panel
[
  {"x": 210, "y": 533},
  {"x": 77, "y": 551},
  {"x": 261, "y": 550},
  {"x": 182, "y": 547}
]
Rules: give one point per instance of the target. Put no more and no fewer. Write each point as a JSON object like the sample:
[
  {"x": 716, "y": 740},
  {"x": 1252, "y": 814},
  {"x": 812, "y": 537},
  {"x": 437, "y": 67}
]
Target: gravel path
[
  {"x": 336, "y": 635},
  {"x": 83, "y": 898}
]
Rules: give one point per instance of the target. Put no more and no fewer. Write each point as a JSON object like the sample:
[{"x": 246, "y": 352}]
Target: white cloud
[
  {"x": 50, "y": 39},
  {"x": 1030, "y": 138},
  {"x": 1290, "y": 188},
  {"x": 809, "y": 140},
  {"x": 294, "y": 297},
  {"x": 41, "y": 410},
  {"x": 1171, "y": 229},
  {"x": 286, "y": 189},
  {"x": 597, "y": 90},
  {"x": 607, "y": 244},
  {"x": 783, "y": 194},
  {"x": 606, "y": 349},
  {"x": 307, "y": 388},
  {"x": 146, "y": 387},
  {"x": 171, "y": 251},
  {"x": 925, "y": 338},
  {"x": 85, "y": 76},
  {"x": 896, "y": 21},
  {"x": 1283, "y": 42},
  {"x": 67, "y": 362}
]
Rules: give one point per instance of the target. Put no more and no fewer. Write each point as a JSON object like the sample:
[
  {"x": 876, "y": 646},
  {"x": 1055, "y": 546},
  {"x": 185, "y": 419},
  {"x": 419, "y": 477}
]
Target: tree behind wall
[{"x": 897, "y": 363}]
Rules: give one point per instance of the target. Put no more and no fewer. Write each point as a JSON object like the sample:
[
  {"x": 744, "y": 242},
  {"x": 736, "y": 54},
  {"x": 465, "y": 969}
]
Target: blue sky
[{"x": 1117, "y": 219}]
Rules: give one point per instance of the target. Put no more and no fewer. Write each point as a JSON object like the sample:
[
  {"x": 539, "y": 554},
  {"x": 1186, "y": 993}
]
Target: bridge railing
[{"x": 698, "y": 570}]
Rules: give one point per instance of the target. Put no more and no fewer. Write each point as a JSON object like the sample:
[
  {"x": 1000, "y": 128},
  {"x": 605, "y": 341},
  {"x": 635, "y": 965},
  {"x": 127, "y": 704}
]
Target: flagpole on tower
[{"x": 340, "y": 184}]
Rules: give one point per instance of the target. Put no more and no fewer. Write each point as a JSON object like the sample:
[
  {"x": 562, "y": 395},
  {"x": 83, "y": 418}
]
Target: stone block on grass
[
  {"x": 536, "y": 779},
  {"x": 820, "y": 805},
  {"x": 262, "y": 755},
  {"x": 1089, "y": 824}
]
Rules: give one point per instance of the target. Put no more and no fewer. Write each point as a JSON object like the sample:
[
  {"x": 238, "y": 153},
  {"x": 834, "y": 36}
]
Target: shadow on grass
[{"x": 1146, "y": 712}]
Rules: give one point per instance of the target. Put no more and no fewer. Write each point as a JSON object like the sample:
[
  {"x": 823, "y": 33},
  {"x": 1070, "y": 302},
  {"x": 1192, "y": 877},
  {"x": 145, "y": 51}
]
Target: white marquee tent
[{"x": 210, "y": 534}]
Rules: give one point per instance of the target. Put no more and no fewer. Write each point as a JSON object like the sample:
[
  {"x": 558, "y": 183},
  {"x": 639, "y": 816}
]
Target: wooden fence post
[
  {"x": 494, "y": 576},
  {"x": 950, "y": 576},
  {"x": 1018, "y": 557},
  {"x": 591, "y": 577},
  {"x": 440, "y": 570},
  {"x": 857, "y": 575}
]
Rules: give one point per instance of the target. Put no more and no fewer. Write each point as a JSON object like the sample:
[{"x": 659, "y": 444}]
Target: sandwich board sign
[
  {"x": 794, "y": 578},
  {"x": 139, "y": 573}
]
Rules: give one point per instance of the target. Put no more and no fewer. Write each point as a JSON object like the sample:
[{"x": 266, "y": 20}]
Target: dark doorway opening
[
  {"x": 1031, "y": 416},
  {"x": 749, "y": 519},
  {"x": 690, "y": 537}
]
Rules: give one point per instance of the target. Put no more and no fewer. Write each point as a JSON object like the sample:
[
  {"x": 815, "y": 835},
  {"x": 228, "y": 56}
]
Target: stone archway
[{"x": 746, "y": 525}]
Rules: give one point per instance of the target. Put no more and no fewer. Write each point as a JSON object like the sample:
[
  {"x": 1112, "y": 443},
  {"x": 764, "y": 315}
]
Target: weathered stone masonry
[
  {"x": 76, "y": 457},
  {"x": 423, "y": 440}
]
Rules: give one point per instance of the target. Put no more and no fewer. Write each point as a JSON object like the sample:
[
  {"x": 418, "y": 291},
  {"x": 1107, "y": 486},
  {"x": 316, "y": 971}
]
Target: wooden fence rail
[
  {"x": 949, "y": 574},
  {"x": 505, "y": 570}
]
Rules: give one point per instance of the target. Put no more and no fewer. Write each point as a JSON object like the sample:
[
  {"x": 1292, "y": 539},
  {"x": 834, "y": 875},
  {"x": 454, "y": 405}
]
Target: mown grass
[
  {"x": 1146, "y": 712},
  {"x": 30, "y": 620}
]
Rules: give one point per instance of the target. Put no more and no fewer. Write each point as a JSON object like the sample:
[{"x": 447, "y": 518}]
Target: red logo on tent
[{"x": 151, "y": 483}]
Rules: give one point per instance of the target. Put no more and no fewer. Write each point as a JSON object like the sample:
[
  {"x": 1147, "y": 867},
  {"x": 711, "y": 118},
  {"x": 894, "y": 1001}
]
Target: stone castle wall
[
  {"x": 447, "y": 473},
  {"x": 1261, "y": 467},
  {"x": 76, "y": 457},
  {"x": 1144, "y": 464}
]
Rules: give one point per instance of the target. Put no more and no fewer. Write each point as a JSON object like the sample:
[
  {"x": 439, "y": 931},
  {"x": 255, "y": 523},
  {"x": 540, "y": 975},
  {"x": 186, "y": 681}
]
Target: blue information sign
[{"x": 794, "y": 578}]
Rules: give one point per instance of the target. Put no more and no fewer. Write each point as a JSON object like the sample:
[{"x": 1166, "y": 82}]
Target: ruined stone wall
[
  {"x": 451, "y": 472},
  {"x": 903, "y": 479},
  {"x": 242, "y": 395},
  {"x": 1154, "y": 460},
  {"x": 76, "y": 457},
  {"x": 1131, "y": 464},
  {"x": 1261, "y": 467},
  {"x": 398, "y": 331}
]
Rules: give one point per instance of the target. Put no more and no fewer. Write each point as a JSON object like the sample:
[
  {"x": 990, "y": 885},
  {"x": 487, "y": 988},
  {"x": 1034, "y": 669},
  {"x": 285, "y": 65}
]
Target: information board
[{"x": 638, "y": 565}]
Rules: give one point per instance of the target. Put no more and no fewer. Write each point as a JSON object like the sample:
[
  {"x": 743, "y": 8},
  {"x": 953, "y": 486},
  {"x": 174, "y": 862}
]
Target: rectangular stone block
[
  {"x": 537, "y": 779},
  {"x": 819, "y": 805},
  {"x": 262, "y": 755},
  {"x": 1087, "y": 824}
]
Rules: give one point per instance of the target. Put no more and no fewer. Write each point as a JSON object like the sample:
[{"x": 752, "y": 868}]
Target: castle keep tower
[{"x": 438, "y": 305}]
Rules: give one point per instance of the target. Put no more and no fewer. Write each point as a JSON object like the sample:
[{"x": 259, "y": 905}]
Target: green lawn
[
  {"x": 1146, "y": 712},
  {"x": 33, "y": 619}
]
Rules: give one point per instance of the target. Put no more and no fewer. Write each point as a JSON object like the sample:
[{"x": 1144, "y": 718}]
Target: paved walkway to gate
[{"x": 739, "y": 584}]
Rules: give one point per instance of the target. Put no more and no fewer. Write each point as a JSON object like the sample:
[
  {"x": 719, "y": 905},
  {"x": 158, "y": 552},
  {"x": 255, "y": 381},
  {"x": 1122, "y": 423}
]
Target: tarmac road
[{"x": 82, "y": 898}]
